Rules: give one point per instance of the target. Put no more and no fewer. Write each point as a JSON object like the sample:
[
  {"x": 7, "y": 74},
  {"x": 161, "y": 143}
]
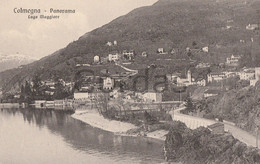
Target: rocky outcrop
[{"x": 200, "y": 146}]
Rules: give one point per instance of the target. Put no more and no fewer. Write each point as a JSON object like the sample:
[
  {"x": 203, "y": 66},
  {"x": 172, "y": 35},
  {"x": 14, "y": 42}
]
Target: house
[
  {"x": 172, "y": 78},
  {"x": 150, "y": 96},
  {"x": 85, "y": 88},
  {"x": 216, "y": 77},
  {"x": 103, "y": 60},
  {"x": 217, "y": 128},
  {"x": 161, "y": 51},
  {"x": 252, "y": 27},
  {"x": 205, "y": 49},
  {"x": 50, "y": 104},
  {"x": 40, "y": 103},
  {"x": 109, "y": 44},
  {"x": 108, "y": 83},
  {"x": 70, "y": 85},
  {"x": 233, "y": 60},
  {"x": 113, "y": 57},
  {"x": 17, "y": 96},
  {"x": 229, "y": 74},
  {"x": 104, "y": 71},
  {"x": 51, "y": 93},
  {"x": 253, "y": 82},
  {"x": 257, "y": 73},
  {"x": 257, "y": 76},
  {"x": 62, "y": 82},
  {"x": 144, "y": 54},
  {"x": 50, "y": 84},
  {"x": 173, "y": 51},
  {"x": 87, "y": 95},
  {"x": 115, "y": 43},
  {"x": 115, "y": 93},
  {"x": 129, "y": 55},
  {"x": 201, "y": 82},
  {"x": 96, "y": 59},
  {"x": 203, "y": 65},
  {"x": 228, "y": 27},
  {"x": 186, "y": 81},
  {"x": 210, "y": 93},
  {"x": 153, "y": 96},
  {"x": 247, "y": 74}
]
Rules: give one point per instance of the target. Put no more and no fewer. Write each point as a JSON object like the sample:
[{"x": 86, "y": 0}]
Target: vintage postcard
[{"x": 129, "y": 81}]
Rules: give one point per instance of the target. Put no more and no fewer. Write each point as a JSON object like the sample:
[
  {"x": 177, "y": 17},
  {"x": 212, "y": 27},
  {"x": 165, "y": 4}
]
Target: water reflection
[{"x": 84, "y": 140}]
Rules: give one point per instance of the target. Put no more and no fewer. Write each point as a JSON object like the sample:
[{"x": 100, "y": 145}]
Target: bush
[{"x": 148, "y": 119}]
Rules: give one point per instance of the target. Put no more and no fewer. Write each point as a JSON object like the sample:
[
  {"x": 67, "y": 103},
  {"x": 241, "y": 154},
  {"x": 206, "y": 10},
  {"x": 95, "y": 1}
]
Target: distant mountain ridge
[
  {"x": 167, "y": 24},
  {"x": 14, "y": 61}
]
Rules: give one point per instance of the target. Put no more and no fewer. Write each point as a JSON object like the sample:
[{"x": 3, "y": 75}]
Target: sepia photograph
[{"x": 130, "y": 82}]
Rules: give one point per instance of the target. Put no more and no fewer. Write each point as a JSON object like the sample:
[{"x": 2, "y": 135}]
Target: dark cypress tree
[
  {"x": 36, "y": 85},
  {"x": 189, "y": 105},
  {"x": 27, "y": 89},
  {"x": 22, "y": 90}
]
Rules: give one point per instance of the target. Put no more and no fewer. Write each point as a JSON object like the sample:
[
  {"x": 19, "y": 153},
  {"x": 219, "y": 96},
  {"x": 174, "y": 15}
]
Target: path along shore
[
  {"x": 194, "y": 122},
  {"x": 94, "y": 119}
]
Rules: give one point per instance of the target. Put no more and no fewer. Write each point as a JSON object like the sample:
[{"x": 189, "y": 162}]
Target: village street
[{"x": 195, "y": 122}]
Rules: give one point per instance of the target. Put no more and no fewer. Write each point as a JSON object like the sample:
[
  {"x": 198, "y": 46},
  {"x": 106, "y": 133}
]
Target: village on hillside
[
  {"x": 171, "y": 81},
  {"x": 118, "y": 75}
]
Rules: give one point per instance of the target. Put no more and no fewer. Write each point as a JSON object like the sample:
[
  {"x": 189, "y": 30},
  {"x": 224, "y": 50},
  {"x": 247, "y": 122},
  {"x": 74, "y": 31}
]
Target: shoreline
[{"x": 96, "y": 120}]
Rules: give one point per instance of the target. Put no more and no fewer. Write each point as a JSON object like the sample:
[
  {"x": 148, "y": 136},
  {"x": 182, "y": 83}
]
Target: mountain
[
  {"x": 168, "y": 24},
  {"x": 14, "y": 61}
]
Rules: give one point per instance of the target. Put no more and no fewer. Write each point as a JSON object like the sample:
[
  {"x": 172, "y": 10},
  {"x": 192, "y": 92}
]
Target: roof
[
  {"x": 235, "y": 56},
  {"x": 200, "y": 79},
  {"x": 217, "y": 73},
  {"x": 128, "y": 51},
  {"x": 249, "y": 71}
]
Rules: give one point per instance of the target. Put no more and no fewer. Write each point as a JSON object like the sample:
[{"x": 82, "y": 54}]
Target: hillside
[
  {"x": 168, "y": 24},
  {"x": 240, "y": 106}
]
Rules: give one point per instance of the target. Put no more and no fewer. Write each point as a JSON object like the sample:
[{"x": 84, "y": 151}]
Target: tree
[
  {"x": 61, "y": 91},
  {"x": 203, "y": 105},
  {"x": 101, "y": 102},
  {"x": 148, "y": 119},
  {"x": 22, "y": 94},
  {"x": 27, "y": 89},
  {"x": 36, "y": 85},
  {"x": 189, "y": 105}
]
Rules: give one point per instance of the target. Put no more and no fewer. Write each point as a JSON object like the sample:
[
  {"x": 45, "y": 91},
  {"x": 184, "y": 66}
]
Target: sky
[{"x": 40, "y": 37}]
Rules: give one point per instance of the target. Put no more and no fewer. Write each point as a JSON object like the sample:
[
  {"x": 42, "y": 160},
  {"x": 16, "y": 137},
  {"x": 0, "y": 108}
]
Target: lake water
[{"x": 45, "y": 136}]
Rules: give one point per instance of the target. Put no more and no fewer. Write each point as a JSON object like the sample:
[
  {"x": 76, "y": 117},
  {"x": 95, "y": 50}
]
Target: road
[
  {"x": 127, "y": 69},
  {"x": 195, "y": 122}
]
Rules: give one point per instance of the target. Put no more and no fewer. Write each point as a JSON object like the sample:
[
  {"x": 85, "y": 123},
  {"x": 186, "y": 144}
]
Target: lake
[{"x": 47, "y": 136}]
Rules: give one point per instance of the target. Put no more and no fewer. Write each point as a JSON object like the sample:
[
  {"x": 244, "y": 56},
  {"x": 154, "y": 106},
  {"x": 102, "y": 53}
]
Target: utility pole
[
  {"x": 257, "y": 129},
  {"x": 257, "y": 125},
  {"x": 180, "y": 95}
]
